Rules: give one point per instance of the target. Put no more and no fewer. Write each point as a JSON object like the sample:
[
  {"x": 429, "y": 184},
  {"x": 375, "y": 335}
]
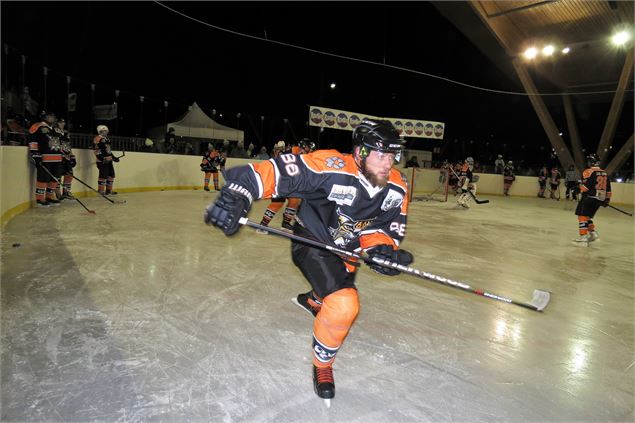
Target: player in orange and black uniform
[
  {"x": 554, "y": 183},
  {"x": 105, "y": 158},
  {"x": 543, "y": 174},
  {"x": 355, "y": 201},
  {"x": 596, "y": 192},
  {"x": 508, "y": 177},
  {"x": 69, "y": 161},
  {"x": 209, "y": 166},
  {"x": 45, "y": 150},
  {"x": 306, "y": 146}
]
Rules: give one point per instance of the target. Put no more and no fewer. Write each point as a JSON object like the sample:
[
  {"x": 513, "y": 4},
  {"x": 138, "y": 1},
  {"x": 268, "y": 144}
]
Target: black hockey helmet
[
  {"x": 44, "y": 114},
  {"x": 378, "y": 135},
  {"x": 307, "y": 145},
  {"x": 593, "y": 160}
]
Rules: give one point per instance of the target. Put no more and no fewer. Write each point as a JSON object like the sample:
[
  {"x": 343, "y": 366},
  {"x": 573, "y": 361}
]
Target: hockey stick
[
  {"x": 538, "y": 303},
  {"x": 123, "y": 154},
  {"x": 476, "y": 200},
  {"x": 98, "y": 192},
  {"x": 75, "y": 198},
  {"x": 620, "y": 210}
]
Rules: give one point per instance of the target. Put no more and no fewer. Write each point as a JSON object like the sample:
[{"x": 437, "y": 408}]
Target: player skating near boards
[
  {"x": 356, "y": 201},
  {"x": 596, "y": 192}
]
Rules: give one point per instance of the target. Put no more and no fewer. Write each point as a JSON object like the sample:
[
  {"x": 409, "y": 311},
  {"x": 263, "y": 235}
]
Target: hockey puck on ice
[{"x": 15, "y": 245}]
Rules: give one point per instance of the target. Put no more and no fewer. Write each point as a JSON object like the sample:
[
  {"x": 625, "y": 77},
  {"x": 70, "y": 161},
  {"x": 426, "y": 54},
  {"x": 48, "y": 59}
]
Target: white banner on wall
[{"x": 325, "y": 117}]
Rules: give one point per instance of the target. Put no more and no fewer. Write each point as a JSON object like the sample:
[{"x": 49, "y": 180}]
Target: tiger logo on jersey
[{"x": 347, "y": 228}]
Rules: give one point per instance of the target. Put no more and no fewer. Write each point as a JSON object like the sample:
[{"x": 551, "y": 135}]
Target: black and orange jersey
[
  {"x": 508, "y": 173},
  {"x": 465, "y": 174},
  {"x": 339, "y": 205},
  {"x": 44, "y": 141},
  {"x": 102, "y": 150},
  {"x": 65, "y": 141},
  {"x": 210, "y": 160},
  {"x": 596, "y": 184},
  {"x": 543, "y": 174},
  {"x": 555, "y": 176}
]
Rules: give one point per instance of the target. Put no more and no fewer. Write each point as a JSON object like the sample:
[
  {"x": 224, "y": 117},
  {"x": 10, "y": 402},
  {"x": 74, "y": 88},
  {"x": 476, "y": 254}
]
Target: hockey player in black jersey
[
  {"x": 354, "y": 201},
  {"x": 596, "y": 192}
]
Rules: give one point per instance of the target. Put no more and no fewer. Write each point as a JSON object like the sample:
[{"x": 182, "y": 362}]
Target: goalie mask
[{"x": 378, "y": 135}]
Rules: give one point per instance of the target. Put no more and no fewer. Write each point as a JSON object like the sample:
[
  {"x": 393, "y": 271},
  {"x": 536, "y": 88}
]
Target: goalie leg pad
[{"x": 332, "y": 324}]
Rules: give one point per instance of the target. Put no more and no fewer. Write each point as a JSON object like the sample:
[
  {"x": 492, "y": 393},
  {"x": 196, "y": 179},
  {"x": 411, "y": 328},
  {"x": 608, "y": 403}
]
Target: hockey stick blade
[
  {"x": 538, "y": 303},
  {"x": 541, "y": 299}
]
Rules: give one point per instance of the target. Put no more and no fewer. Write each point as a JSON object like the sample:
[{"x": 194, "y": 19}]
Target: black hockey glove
[
  {"x": 605, "y": 203},
  {"x": 115, "y": 159},
  {"x": 73, "y": 163},
  {"x": 386, "y": 252},
  {"x": 233, "y": 203},
  {"x": 36, "y": 159}
]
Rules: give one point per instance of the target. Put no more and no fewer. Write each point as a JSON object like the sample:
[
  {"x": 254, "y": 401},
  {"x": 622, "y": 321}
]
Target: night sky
[{"x": 144, "y": 49}]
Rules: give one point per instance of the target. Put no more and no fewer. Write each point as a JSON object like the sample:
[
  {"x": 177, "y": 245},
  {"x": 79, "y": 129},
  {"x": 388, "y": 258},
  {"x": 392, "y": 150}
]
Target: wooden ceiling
[{"x": 585, "y": 26}]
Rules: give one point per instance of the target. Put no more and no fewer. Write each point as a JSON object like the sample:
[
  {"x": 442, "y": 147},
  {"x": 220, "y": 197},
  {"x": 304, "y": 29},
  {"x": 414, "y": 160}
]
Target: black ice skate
[
  {"x": 323, "y": 383},
  {"x": 287, "y": 225},
  {"x": 309, "y": 302},
  {"x": 206, "y": 188}
]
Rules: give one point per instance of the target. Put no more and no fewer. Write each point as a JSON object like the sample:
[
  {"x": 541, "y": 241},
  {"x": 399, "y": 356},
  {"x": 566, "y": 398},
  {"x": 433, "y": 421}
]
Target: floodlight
[
  {"x": 620, "y": 38},
  {"x": 530, "y": 53},
  {"x": 566, "y": 50},
  {"x": 548, "y": 50}
]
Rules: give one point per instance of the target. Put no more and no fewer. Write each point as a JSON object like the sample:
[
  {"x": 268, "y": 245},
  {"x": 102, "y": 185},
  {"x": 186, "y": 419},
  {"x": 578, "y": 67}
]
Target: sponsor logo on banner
[
  {"x": 418, "y": 128},
  {"x": 342, "y": 194},
  {"x": 342, "y": 120},
  {"x": 438, "y": 130},
  {"x": 393, "y": 199},
  {"x": 398, "y": 126},
  {"x": 428, "y": 129},
  {"x": 354, "y": 121},
  {"x": 408, "y": 128},
  {"x": 329, "y": 118},
  {"x": 316, "y": 116}
]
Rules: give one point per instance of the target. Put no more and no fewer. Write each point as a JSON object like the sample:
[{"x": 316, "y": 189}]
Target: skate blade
[
  {"x": 295, "y": 301},
  {"x": 327, "y": 402},
  {"x": 581, "y": 244}
]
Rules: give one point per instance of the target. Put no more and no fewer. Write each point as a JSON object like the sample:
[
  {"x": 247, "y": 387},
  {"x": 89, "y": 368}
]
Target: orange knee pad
[{"x": 332, "y": 324}]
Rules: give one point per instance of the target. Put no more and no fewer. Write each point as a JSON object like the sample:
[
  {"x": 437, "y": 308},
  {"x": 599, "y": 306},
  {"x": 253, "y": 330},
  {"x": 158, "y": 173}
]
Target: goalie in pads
[{"x": 467, "y": 182}]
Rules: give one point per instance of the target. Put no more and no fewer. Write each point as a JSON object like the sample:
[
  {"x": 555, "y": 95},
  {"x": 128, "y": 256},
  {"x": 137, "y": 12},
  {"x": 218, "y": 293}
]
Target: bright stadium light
[
  {"x": 530, "y": 53},
  {"x": 332, "y": 85},
  {"x": 621, "y": 38},
  {"x": 548, "y": 50},
  {"x": 566, "y": 50}
]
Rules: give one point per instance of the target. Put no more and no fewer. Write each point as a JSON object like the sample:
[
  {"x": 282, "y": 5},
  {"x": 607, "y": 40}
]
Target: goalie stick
[
  {"x": 75, "y": 198},
  {"x": 100, "y": 193},
  {"x": 476, "y": 200},
  {"x": 538, "y": 303}
]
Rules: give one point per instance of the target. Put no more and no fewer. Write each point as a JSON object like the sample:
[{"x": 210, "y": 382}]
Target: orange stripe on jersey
[
  {"x": 267, "y": 174},
  {"x": 295, "y": 150},
  {"x": 33, "y": 129},
  {"x": 377, "y": 238}
]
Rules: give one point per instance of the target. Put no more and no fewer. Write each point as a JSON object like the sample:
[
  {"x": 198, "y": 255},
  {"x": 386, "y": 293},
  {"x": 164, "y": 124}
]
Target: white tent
[{"x": 196, "y": 124}]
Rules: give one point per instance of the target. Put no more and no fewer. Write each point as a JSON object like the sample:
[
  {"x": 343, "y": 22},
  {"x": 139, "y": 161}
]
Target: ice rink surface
[{"x": 142, "y": 313}]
